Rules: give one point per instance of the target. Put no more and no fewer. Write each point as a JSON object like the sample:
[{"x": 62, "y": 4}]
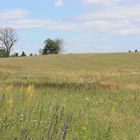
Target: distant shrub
[
  {"x": 15, "y": 55},
  {"x": 31, "y": 54},
  {"x": 129, "y": 51},
  {"x": 23, "y": 54},
  {"x": 136, "y": 50},
  {"x": 3, "y": 53},
  {"x": 35, "y": 54}
]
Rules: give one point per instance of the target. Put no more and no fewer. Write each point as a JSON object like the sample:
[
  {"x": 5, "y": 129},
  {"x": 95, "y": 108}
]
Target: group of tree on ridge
[{"x": 8, "y": 38}]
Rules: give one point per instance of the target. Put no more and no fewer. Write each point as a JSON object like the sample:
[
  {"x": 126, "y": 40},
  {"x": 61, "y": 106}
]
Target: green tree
[
  {"x": 31, "y": 54},
  {"x": 15, "y": 54},
  {"x": 3, "y": 53},
  {"x": 52, "y": 46},
  {"x": 23, "y": 54}
]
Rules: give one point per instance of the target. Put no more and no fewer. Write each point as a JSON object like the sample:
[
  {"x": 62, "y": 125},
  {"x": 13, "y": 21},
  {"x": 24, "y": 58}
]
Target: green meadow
[{"x": 70, "y": 97}]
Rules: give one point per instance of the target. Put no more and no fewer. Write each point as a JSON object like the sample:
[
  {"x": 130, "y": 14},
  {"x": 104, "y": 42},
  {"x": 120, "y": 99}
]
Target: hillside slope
[{"x": 114, "y": 68}]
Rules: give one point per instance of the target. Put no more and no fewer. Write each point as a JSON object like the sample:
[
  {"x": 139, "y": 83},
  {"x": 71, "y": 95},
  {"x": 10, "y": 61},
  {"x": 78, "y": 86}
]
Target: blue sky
[{"x": 84, "y": 25}]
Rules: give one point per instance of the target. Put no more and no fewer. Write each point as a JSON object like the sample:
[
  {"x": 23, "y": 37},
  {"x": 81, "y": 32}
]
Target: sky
[{"x": 86, "y": 26}]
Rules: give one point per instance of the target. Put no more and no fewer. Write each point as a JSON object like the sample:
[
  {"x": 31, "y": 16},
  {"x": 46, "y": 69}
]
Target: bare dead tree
[{"x": 7, "y": 39}]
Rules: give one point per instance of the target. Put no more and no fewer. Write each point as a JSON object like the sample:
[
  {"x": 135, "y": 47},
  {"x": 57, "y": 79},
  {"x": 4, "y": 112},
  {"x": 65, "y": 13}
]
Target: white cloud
[
  {"x": 116, "y": 12},
  {"x": 26, "y": 23},
  {"x": 48, "y": 24},
  {"x": 102, "y": 2},
  {"x": 13, "y": 14},
  {"x": 100, "y": 25},
  {"x": 122, "y": 20},
  {"x": 114, "y": 20},
  {"x": 59, "y": 3},
  {"x": 122, "y": 27},
  {"x": 129, "y": 31}
]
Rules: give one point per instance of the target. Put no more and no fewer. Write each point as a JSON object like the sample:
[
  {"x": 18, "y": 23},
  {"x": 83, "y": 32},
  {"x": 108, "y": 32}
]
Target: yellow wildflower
[
  {"x": 84, "y": 128},
  {"x": 112, "y": 113},
  {"x": 10, "y": 103},
  {"x": 87, "y": 99},
  {"x": 30, "y": 91}
]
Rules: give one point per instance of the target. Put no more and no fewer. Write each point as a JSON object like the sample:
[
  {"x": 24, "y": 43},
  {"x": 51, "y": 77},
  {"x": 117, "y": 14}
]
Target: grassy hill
[
  {"x": 72, "y": 96},
  {"x": 115, "y": 68}
]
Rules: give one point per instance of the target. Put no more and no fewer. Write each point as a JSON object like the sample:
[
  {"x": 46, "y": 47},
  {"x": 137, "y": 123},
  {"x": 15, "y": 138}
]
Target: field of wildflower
[{"x": 70, "y": 97}]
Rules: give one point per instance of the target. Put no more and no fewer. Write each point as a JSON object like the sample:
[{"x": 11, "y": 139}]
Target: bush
[
  {"x": 23, "y": 54},
  {"x": 31, "y": 54},
  {"x": 15, "y": 55},
  {"x": 3, "y": 53}
]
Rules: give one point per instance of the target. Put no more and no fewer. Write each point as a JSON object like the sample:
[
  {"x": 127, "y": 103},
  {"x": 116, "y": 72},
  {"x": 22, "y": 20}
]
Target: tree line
[{"x": 8, "y": 39}]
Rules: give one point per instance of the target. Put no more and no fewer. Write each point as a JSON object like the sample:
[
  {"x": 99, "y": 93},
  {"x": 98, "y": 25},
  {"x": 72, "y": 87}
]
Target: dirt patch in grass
[{"x": 132, "y": 86}]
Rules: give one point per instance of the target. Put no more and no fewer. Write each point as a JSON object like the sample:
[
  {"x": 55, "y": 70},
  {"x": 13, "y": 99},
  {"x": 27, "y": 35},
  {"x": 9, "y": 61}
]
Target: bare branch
[{"x": 7, "y": 38}]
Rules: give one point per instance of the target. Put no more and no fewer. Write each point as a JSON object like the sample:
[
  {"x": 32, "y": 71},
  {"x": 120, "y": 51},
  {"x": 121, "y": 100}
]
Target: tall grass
[
  {"x": 54, "y": 113},
  {"x": 70, "y": 97}
]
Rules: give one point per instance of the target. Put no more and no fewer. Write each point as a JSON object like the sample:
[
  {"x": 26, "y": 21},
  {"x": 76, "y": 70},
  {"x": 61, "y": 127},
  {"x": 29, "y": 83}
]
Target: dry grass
[{"x": 100, "y": 90}]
